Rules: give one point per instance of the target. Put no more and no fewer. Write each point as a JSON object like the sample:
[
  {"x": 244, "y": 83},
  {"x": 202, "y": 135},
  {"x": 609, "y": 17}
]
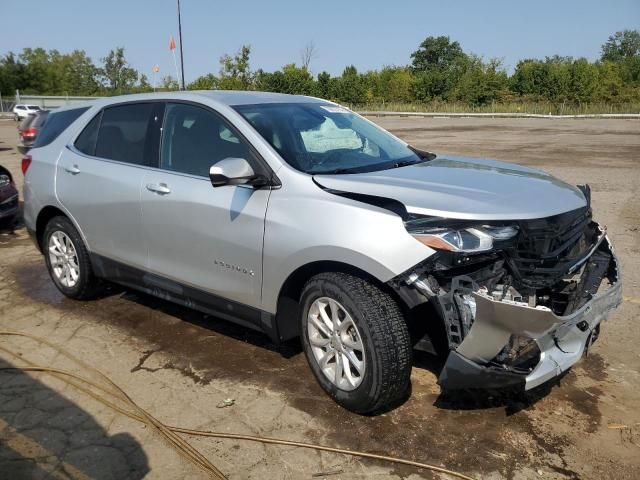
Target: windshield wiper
[
  {"x": 336, "y": 171},
  {"x": 408, "y": 162}
]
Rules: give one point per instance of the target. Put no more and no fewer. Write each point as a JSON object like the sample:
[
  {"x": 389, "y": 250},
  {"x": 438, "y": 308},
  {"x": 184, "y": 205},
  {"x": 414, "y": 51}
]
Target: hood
[{"x": 465, "y": 188}]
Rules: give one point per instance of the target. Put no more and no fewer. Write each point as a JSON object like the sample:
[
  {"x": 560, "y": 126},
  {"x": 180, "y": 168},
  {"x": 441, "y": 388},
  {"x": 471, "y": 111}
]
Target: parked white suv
[
  {"x": 22, "y": 111},
  {"x": 299, "y": 218}
]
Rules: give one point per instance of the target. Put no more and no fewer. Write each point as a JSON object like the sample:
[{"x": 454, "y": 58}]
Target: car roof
[
  {"x": 240, "y": 97},
  {"x": 225, "y": 97}
]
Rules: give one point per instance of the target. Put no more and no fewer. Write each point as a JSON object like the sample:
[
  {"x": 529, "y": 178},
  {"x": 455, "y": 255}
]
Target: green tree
[
  {"x": 480, "y": 83},
  {"x": 79, "y": 76},
  {"x": 611, "y": 87},
  {"x": 436, "y": 53},
  {"x": 584, "y": 81},
  {"x": 437, "y": 65},
  {"x": 204, "y": 82},
  {"x": 39, "y": 76},
  {"x": 143, "y": 84},
  {"x": 392, "y": 84},
  {"x": 291, "y": 79},
  {"x": 117, "y": 75},
  {"x": 349, "y": 87},
  {"x": 622, "y": 46},
  {"x": 12, "y": 74},
  {"x": 323, "y": 85},
  {"x": 235, "y": 72},
  {"x": 169, "y": 82}
]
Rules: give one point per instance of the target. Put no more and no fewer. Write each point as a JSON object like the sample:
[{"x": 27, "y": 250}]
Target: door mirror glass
[{"x": 234, "y": 171}]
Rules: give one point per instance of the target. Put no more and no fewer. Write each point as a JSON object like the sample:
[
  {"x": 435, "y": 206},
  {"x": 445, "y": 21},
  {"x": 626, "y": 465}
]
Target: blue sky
[{"x": 369, "y": 34}]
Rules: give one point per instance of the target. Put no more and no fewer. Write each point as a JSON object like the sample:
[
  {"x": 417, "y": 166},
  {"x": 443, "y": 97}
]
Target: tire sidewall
[
  {"x": 361, "y": 398},
  {"x": 61, "y": 224}
]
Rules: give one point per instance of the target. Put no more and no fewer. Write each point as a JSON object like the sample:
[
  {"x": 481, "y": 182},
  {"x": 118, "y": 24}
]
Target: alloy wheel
[
  {"x": 63, "y": 259},
  {"x": 336, "y": 343}
]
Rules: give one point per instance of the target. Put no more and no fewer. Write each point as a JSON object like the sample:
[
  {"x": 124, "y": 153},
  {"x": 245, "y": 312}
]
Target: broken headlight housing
[{"x": 468, "y": 239}]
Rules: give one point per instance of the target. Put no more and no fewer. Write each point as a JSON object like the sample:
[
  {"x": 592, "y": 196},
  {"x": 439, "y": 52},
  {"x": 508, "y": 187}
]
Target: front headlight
[
  {"x": 4, "y": 180},
  {"x": 470, "y": 239}
]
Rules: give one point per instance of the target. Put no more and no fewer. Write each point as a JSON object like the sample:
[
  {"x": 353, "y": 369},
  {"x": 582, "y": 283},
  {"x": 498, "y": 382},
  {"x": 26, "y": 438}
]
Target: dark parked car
[
  {"x": 8, "y": 198},
  {"x": 29, "y": 129}
]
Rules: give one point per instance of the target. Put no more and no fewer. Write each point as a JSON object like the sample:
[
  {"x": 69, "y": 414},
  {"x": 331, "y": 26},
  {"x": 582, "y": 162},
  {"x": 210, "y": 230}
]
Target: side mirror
[{"x": 235, "y": 171}]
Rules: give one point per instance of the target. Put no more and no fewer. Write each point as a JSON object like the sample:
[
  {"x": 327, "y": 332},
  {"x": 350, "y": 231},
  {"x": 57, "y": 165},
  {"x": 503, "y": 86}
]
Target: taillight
[
  {"x": 26, "y": 161},
  {"x": 29, "y": 133}
]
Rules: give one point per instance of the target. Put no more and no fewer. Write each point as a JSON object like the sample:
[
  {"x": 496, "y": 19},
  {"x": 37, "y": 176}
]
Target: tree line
[{"x": 439, "y": 71}]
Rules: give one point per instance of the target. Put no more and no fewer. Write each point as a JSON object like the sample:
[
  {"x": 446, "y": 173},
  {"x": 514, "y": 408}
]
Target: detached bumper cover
[{"x": 562, "y": 340}]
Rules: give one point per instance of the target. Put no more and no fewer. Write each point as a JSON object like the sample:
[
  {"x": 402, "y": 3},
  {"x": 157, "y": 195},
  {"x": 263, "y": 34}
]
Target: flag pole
[
  {"x": 180, "y": 38},
  {"x": 175, "y": 63}
]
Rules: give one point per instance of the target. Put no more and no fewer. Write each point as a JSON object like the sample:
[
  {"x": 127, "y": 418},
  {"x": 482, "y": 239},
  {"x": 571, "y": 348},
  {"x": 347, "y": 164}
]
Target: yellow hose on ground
[{"x": 169, "y": 433}]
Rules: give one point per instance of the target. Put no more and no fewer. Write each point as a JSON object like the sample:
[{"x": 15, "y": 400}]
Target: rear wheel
[
  {"x": 68, "y": 260},
  {"x": 356, "y": 341}
]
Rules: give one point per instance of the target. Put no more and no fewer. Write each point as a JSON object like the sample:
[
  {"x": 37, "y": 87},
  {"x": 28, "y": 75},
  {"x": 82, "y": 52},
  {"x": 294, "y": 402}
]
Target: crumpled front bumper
[{"x": 562, "y": 340}]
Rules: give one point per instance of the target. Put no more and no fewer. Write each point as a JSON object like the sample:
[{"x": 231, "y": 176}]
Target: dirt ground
[{"x": 180, "y": 364}]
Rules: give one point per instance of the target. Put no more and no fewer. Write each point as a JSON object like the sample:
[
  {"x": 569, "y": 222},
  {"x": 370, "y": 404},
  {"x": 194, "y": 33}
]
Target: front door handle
[
  {"x": 160, "y": 188},
  {"x": 73, "y": 170}
]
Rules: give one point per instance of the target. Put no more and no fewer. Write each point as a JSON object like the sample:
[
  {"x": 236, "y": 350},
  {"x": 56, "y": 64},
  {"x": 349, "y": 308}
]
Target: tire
[
  {"x": 85, "y": 285},
  {"x": 379, "y": 328}
]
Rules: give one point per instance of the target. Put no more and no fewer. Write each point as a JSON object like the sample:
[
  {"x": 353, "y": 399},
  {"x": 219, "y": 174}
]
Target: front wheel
[{"x": 356, "y": 341}]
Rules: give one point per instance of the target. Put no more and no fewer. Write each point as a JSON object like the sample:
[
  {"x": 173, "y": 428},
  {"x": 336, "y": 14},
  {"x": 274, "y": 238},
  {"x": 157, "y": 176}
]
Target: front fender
[{"x": 301, "y": 229}]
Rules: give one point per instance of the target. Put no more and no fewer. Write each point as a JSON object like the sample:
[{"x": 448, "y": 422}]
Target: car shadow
[
  {"x": 220, "y": 326},
  {"x": 511, "y": 399},
  {"x": 43, "y": 435}
]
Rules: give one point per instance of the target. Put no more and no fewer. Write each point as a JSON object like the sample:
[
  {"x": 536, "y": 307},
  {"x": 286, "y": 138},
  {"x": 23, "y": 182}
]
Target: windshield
[{"x": 326, "y": 139}]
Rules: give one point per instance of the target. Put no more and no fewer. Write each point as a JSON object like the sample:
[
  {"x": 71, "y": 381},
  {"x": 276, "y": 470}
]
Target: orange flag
[{"x": 172, "y": 43}]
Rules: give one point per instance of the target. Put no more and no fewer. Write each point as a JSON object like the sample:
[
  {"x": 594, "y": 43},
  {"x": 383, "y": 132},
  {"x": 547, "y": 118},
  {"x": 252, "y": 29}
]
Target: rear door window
[
  {"x": 57, "y": 122},
  {"x": 124, "y": 134}
]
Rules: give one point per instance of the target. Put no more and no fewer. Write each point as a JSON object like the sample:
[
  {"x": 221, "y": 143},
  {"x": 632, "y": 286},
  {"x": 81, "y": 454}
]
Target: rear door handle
[
  {"x": 73, "y": 170},
  {"x": 160, "y": 188}
]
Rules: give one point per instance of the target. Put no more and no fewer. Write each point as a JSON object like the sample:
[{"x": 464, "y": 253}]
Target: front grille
[{"x": 547, "y": 248}]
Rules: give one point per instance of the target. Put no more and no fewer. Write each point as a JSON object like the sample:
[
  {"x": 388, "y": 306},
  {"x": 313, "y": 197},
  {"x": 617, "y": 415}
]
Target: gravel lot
[{"x": 180, "y": 364}]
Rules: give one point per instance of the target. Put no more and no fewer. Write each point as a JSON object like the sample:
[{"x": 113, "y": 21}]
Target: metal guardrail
[
  {"x": 48, "y": 102},
  {"x": 496, "y": 115}
]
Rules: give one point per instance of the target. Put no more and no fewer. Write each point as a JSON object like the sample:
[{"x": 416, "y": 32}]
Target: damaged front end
[{"x": 523, "y": 311}]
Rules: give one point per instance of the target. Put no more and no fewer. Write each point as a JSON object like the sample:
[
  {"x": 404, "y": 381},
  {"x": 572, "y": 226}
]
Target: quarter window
[
  {"x": 194, "y": 139},
  {"x": 86, "y": 141},
  {"x": 123, "y": 133},
  {"x": 56, "y": 124}
]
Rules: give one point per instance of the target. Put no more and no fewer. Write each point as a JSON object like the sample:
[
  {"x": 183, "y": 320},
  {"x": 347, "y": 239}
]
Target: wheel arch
[
  {"x": 288, "y": 307},
  {"x": 46, "y": 214}
]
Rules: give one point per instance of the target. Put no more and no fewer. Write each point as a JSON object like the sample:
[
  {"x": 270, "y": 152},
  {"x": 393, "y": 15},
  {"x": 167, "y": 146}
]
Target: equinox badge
[{"x": 235, "y": 268}]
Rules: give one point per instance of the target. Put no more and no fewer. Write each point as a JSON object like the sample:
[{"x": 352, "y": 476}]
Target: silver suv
[{"x": 296, "y": 217}]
